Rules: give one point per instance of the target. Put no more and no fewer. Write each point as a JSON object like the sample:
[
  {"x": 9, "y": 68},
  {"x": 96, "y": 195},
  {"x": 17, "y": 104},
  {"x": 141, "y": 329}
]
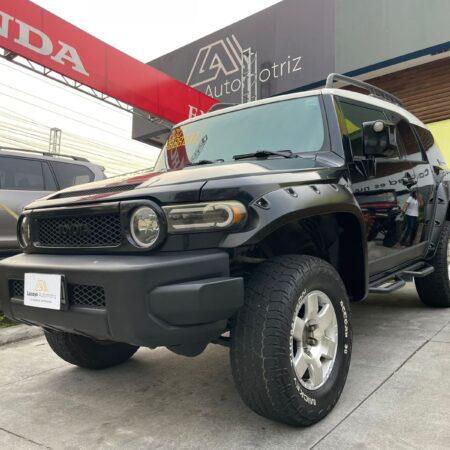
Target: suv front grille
[
  {"x": 16, "y": 288},
  {"x": 79, "y": 294},
  {"x": 78, "y": 231}
]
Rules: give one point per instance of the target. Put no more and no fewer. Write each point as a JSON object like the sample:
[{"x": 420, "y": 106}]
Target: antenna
[
  {"x": 249, "y": 69},
  {"x": 54, "y": 143}
]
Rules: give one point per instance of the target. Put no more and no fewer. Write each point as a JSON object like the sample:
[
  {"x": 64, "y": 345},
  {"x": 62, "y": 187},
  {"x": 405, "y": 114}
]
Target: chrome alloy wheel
[{"x": 314, "y": 339}]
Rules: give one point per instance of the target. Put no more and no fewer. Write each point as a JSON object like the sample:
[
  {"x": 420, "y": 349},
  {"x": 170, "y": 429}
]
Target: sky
[{"x": 31, "y": 104}]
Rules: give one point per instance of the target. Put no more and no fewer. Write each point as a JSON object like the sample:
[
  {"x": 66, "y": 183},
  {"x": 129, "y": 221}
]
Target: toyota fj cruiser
[{"x": 248, "y": 233}]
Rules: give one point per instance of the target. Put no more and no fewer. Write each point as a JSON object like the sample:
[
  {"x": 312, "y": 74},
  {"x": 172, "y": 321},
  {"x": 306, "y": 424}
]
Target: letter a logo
[
  {"x": 223, "y": 56},
  {"x": 41, "y": 286}
]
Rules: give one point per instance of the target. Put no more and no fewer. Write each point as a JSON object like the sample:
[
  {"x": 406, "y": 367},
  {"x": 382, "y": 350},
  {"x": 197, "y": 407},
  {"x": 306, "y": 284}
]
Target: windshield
[{"x": 295, "y": 125}]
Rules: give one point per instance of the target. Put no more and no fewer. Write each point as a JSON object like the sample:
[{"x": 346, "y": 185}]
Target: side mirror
[
  {"x": 408, "y": 180},
  {"x": 379, "y": 138}
]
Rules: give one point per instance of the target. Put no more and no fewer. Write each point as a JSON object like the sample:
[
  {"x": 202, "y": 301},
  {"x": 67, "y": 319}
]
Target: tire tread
[
  {"x": 267, "y": 312},
  {"x": 84, "y": 352},
  {"x": 434, "y": 289}
]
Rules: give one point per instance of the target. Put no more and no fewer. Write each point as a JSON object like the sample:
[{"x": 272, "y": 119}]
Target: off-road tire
[
  {"x": 434, "y": 289},
  {"x": 84, "y": 352},
  {"x": 261, "y": 334}
]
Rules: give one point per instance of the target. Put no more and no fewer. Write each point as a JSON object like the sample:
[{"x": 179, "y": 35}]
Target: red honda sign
[{"x": 38, "y": 35}]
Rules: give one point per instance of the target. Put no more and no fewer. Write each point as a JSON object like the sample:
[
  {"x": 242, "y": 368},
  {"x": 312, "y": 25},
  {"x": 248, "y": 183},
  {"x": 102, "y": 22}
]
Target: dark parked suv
[
  {"x": 248, "y": 234},
  {"x": 27, "y": 175}
]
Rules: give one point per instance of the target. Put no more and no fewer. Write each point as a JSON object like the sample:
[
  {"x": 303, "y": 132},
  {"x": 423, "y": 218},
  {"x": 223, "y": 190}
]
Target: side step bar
[{"x": 397, "y": 280}]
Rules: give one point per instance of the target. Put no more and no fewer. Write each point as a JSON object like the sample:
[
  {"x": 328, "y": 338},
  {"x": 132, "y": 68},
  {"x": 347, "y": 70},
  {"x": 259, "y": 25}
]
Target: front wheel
[
  {"x": 291, "y": 342},
  {"x": 84, "y": 352},
  {"x": 434, "y": 289}
]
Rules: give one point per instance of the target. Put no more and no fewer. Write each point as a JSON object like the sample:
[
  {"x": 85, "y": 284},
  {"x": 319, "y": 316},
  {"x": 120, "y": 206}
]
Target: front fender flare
[
  {"x": 277, "y": 208},
  {"x": 282, "y": 206}
]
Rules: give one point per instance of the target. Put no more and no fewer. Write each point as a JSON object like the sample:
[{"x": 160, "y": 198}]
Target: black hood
[{"x": 189, "y": 180}]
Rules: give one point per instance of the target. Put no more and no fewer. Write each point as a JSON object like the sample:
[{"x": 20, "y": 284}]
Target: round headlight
[
  {"x": 24, "y": 231},
  {"x": 145, "y": 227}
]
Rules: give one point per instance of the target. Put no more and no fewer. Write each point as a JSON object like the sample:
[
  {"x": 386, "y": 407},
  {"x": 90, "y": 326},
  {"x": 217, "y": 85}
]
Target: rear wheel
[
  {"x": 434, "y": 289},
  {"x": 84, "y": 352},
  {"x": 291, "y": 341}
]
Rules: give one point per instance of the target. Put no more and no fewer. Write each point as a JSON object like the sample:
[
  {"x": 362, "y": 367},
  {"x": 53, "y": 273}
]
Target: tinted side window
[
  {"x": 71, "y": 174},
  {"x": 354, "y": 116},
  {"x": 425, "y": 137},
  {"x": 21, "y": 174},
  {"x": 408, "y": 143}
]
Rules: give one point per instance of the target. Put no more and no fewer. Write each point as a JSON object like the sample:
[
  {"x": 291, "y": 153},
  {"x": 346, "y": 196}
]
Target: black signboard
[{"x": 293, "y": 41}]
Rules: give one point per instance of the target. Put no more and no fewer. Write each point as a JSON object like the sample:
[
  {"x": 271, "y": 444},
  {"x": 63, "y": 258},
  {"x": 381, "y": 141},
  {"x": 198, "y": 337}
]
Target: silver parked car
[{"x": 26, "y": 175}]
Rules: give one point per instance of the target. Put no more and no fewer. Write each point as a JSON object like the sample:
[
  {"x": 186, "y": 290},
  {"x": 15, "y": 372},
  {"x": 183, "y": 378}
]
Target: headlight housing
[
  {"x": 211, "y": 216},
  {"x": 145, "y": 226},
  {"x": 23, "y": 231}
]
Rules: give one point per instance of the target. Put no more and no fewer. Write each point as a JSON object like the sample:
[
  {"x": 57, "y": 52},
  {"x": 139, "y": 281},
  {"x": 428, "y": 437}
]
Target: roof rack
[
  {"x": 373, "y": 90},
  {"x": 14, "y": 149}
]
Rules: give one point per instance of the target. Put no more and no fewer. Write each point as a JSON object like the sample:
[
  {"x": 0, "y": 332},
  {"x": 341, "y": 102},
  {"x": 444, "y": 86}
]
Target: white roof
[
  {"x": 338, "y": 92},
  {"x": 376, "y": 102}
]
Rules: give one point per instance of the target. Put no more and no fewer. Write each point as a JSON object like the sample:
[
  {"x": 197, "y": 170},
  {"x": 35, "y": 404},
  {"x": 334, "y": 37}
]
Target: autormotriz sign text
[
  {"x": 293, "y": 41},
  {"x": 224, "y": 58}
]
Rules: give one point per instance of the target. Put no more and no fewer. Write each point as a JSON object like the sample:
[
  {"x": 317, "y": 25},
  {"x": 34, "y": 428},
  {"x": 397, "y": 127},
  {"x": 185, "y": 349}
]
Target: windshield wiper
[
  {"x": 266, "y": 154},
  {"x": 204, "y": 161}
]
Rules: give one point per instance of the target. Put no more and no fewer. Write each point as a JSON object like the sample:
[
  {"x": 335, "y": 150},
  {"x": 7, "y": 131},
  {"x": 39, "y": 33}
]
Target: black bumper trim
[
  {"x": 199, "y": 301},
  {"x": 162, "y": 299}
]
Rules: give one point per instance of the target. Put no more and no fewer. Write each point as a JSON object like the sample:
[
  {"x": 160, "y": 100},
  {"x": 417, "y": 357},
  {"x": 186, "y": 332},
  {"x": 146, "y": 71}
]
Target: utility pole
[
  {"x": 249, "y": 80},
  {"x": 54, "y": 143}
]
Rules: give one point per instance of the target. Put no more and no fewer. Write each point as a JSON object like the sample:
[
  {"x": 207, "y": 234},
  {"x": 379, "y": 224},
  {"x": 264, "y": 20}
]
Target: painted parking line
[{"x": 12, "y": 213}]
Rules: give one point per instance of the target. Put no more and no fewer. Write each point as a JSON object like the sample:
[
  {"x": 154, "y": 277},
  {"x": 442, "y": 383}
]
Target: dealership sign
[
  {"x": 224, "y": 58},
  {"x": 38, "y": 42},
  {"x": 34, "y": 33},
  {"x": 293, "y": 40}
]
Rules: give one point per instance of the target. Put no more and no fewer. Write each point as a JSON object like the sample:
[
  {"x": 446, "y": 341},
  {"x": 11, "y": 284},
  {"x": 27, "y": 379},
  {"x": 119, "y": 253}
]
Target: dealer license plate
[{"x": 42, "y": 290}]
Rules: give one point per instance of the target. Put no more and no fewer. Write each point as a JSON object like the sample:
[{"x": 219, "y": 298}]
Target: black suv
[{"x": 248, "y": 234}]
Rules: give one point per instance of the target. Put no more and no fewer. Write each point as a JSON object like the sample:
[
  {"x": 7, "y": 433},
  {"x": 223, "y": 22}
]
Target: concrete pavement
[
  {"x": 17, "y": 333},
  {"x": 397, "y": 394}
]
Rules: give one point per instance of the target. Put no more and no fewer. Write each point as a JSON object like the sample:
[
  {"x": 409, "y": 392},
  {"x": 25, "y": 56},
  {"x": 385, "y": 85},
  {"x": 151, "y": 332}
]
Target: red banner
[{"x": 38, "y": 35}]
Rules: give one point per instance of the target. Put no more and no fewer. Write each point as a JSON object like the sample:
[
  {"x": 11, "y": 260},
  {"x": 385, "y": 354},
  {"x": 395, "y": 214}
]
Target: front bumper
[{"x": 163, "y": 299}]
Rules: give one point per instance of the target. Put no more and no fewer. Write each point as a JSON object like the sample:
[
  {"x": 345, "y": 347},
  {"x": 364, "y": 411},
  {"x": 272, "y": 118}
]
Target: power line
[
  {"x": 112, "y": 169},
  {"x": 101, "y": 145},
  {"x": 75, "y": 142},
  {"x": 90, "y": 151},
  {"x": 63, "y": 115},
  {"x": 38, "y": 77},
  {"x": 79, "y": 146},
  {"x": 113, "y": 165},
  {"x": 20, "y": 142},
  {"x": 21, "y": 133},
  {"x": 21, "y": 117},
  {"x": 28, "y": 133},
  {"x": 58, "y": 105},
  {"x": 46, "y": 128}
]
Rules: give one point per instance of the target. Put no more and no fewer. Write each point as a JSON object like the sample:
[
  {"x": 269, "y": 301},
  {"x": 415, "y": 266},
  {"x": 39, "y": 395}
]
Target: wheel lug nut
[
  {"x": 312, "y": 341},
  {"x": 313, "y": 327}
]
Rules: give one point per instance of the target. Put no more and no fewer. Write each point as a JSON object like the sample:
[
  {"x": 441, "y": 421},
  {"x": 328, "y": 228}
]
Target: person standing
[{"x": 411, "y": 210}]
